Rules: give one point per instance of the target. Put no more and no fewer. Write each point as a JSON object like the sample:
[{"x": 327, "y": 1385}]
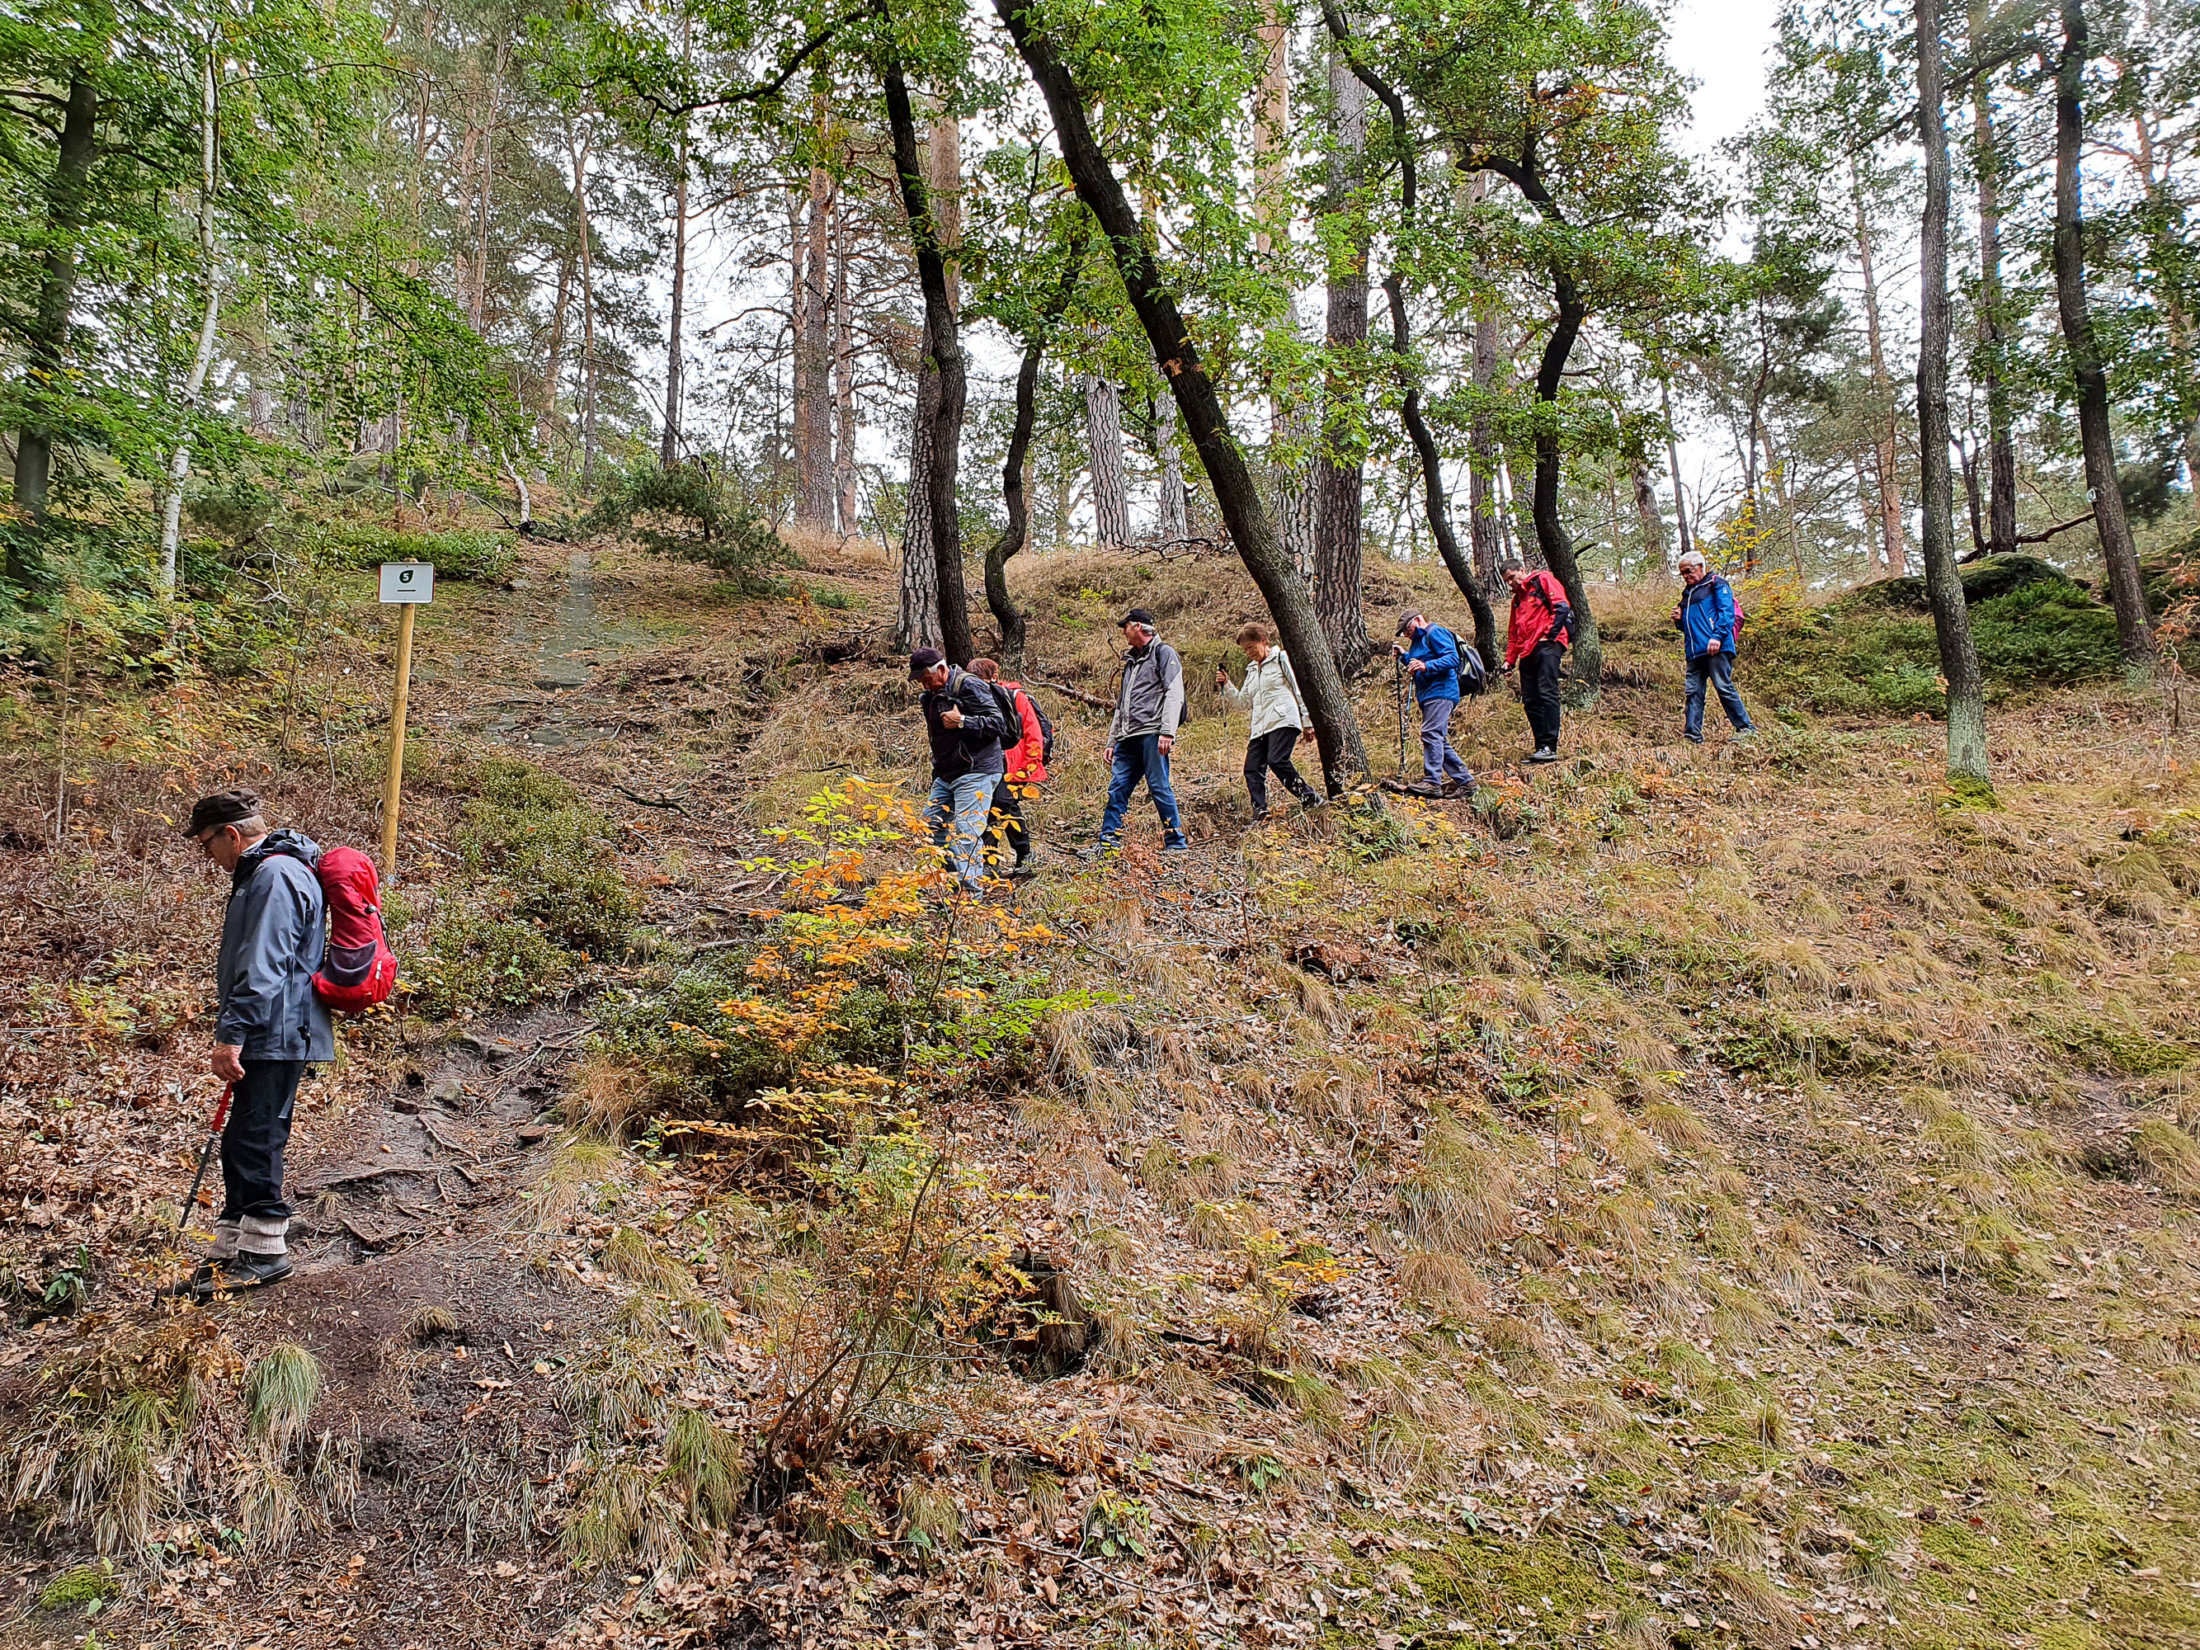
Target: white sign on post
[{"x": 408, "y": 581}]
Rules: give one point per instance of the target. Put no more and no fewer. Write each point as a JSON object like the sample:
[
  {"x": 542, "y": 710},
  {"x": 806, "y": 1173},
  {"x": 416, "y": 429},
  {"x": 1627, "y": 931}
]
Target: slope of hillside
[{"x": 1722, "y": 1196}]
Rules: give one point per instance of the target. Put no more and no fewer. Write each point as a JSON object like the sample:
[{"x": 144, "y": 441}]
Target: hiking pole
[
  {"x": 221, "y": 1116},
  {"x": 1398, "y": 692}
]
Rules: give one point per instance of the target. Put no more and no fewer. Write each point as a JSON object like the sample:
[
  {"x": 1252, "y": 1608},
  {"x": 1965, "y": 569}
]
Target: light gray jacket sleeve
[{"x": 1172, "y": 699}]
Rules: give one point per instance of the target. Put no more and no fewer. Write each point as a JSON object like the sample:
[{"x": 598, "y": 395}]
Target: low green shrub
[
  {"x": 477, "y": 961},
  {"x": 692, "y": 512},
  {"x": 471, "y": 556},
  {"x": 1872, "y": 652},
  {"x": 533, "y": 834}
]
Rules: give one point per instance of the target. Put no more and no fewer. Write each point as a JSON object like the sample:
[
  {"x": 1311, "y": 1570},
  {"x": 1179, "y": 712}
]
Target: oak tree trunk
[
  {"x": 1338, "y": 468},
  {"x": 944, "y": 354},
  {"x": 48, "y": 344},
  {"x": 1336, "y": 729},
  {"x": 2001, "y": 451},
  {"x": 1401, "y": 344},
  {"x": 2096, "y": 435}
]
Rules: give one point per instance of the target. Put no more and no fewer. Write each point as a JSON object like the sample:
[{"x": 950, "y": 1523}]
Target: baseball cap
[
  {"x": 924, "y": 659},
  {"x": 1140, "y": 615},
  {"x": 1408, "y": 618}
]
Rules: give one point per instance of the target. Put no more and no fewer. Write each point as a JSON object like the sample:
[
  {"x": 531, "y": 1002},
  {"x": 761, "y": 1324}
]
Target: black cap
[
  {"x": 925, "y": 659},
  {"x": 1411, "y": 615},
  {"x": 222, "y": 808},
  {"x": 1140, "y": 615}
]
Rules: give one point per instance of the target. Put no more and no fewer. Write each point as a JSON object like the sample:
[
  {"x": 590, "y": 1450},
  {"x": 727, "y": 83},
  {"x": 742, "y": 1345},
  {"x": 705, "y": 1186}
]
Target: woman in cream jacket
[{"x": 1279, "y": 720}]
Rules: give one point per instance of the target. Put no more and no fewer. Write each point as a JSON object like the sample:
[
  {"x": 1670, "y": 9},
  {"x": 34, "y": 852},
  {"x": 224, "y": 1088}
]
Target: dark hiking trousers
[
  {"x": 1539, "y": 692},
  {"x": 252, "y": 1144},
  {"x": 1008, "y": 819},
  {"x": 1271, "y": 752}
]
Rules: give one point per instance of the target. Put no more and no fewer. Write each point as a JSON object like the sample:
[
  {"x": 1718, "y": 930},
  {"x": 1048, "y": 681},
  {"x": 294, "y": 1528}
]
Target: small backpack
[
  {"x": 1473, "y": 674},
  {"x": 358, "y": 969},
  {"x": 1046, "y": 731}
]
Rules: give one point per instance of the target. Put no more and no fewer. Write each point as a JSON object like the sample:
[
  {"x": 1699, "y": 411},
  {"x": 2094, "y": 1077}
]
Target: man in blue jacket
[
  {"x": 1431, "y": 655},
  {"x": 268, "y": 1027},
  {"x": 1705, "y": 619}
]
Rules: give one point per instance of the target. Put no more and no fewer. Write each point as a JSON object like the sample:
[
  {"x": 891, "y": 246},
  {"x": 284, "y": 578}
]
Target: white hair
[{"x": 1692, "y": 558}]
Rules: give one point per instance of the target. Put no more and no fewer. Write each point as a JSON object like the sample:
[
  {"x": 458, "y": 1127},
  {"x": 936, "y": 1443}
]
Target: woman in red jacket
[
  {"x": 1027, "y": 766},
  {"x": 1535, "y": 640}
]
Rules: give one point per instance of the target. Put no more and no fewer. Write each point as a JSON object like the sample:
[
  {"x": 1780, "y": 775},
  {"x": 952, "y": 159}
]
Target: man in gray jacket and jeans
[
  {"x": 268, "y": 1027},
  {"x": 1148, "y": 711}
]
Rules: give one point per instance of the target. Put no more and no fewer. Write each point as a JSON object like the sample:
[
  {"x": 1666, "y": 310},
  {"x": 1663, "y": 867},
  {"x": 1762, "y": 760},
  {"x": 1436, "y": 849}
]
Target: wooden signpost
[{"x": 405, "y": 584}]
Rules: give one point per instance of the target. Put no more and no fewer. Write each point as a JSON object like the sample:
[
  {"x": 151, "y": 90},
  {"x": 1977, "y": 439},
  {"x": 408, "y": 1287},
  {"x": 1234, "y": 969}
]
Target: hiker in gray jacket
[
  {"x": 268, "y": 1027},
  {"x": 1148, "y": 711}
]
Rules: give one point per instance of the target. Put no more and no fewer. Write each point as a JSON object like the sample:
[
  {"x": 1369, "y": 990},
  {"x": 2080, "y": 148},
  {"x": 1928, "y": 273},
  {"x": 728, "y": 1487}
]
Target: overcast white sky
[{"x": 1721, "y": 44}]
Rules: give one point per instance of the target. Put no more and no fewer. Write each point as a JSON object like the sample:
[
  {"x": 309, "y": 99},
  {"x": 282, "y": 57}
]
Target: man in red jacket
[{"x": 1535, "y": 640}]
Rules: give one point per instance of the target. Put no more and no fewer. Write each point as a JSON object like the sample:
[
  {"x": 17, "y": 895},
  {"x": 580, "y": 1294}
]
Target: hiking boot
[
  {"x": 1176, "y": 845},
  {"x": 1105, "y": 848},
  {"x": 1459, "y": 787},
  {"x": 1543, "y": 753},
  {"x": 1745, "y": 733},
  {"x": 1022, "y": 871},
  {"x": 1311, "y": 800},
  {"x": 240, "y": 1272},
  {"x": 1424, "y": 787}
]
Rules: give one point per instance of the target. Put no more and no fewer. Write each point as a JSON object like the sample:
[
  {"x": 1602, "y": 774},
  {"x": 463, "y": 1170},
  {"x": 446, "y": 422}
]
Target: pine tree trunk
[
  {"x": 944, "y": 352},
  {"x": 798, "y": 340},
  {"x": 1175, "y": 511},
  {"x": 48, "y": 344},
  {"x": 2096, "y": 434},
  {"x": 554, "y": 352},
  {"x": 1883, "y": 413},
  {"x": 1337, "y": 730},
  {"x": 814, "y": 436},
  {"x": 1111, "y": 505},
  {"x": 1967, "y": 757},
  {"x": 1648, "y": 515},
  {"x": 844, "y": 378},
  {"x": 919, "y": 624},
  {"x": 588, "y": 314},
  {"x": 1338, "y": 471},
  {"x": 668, "y": 452},
  {"x": 2001, "y": 451},
  {"x": 1673, "y": 467}
]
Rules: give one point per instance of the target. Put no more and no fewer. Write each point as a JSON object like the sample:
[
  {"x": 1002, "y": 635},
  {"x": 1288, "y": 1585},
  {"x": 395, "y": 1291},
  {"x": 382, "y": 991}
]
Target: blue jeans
[
  {"x": 1718, "y": 670},
  {"x": 1136, "y": 759},
  {"x": 1438, "y": 759},
  {"x": 963, "y": 804}
]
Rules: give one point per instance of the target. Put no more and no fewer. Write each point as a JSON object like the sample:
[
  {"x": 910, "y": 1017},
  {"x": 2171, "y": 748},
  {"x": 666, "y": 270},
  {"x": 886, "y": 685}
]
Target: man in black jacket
[{"x": 962, "y": 722}]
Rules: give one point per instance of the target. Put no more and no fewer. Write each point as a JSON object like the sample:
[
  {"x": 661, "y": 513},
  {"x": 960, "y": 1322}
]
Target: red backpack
[{"x": 358, "y": 970}]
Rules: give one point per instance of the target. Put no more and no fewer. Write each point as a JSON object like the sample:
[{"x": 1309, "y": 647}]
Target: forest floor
[{"x": 1719, "y": 1196}]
